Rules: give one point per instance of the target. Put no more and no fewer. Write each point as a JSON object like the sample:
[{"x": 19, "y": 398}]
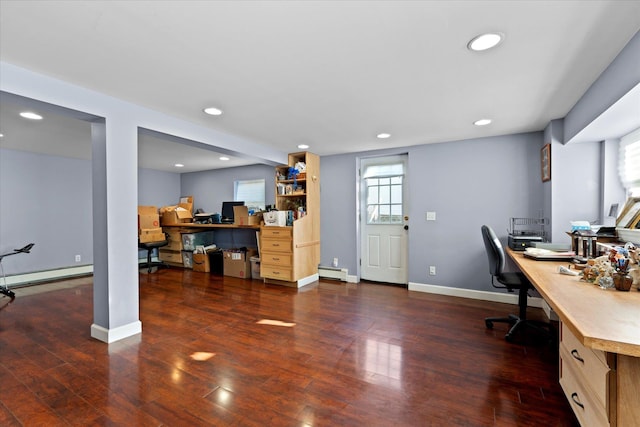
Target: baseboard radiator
[{"x": 333, "y": 273}]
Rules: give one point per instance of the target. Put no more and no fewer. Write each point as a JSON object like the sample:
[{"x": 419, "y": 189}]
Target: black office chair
[
  {"x": 510, "y": 281},
  {"x": 149, "y": 247}
]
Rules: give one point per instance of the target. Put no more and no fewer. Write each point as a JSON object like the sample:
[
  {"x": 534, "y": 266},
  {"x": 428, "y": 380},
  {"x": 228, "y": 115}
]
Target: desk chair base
[
  {"x": 150, "y": 266},
  {"x": 517, "y": 323},
  {"x": 149, "y": 247}
]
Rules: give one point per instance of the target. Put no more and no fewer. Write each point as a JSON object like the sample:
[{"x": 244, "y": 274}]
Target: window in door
[{"x": 384, "y": 200}]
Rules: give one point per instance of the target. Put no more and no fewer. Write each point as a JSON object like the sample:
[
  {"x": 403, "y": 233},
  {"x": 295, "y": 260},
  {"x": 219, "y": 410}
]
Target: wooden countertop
[
  {"x": 194, "y": 225},
  {"x": 607, "y": 320}
]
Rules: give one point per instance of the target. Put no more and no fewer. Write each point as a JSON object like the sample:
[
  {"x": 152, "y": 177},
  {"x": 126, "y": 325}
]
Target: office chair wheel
[
  {"x": 508, "y": 338},
  {"x": 488, "y": 324}
]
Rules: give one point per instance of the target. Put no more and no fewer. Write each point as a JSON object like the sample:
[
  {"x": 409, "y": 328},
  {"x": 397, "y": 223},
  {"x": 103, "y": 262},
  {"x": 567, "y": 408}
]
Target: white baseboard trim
[
  {"x": 112, "y": 335},
  {"x": 333, "y": 273},
  {"x": 507, "y": 298},
  {"x": 307, "y": 280},
  {"x": 352, "y": 278},
  {"x": 59, "y": 273},
  {"x": 43, "y": 276}
]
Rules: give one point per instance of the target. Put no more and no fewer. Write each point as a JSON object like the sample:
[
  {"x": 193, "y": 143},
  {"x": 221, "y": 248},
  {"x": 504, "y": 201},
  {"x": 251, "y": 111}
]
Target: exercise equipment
[{"x": 4, "y": 289}]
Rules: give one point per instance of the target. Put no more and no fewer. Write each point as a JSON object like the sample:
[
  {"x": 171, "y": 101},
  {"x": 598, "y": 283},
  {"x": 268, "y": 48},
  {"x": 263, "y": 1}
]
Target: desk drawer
[
  {"x": 276, "y": 245},
  {"x": 279, "y": 273},
  {"x": 276, "y": 232},
  {"x": 590, "y": 365},
  {"x": 588, "y": 412},
  {"x": 276, "y": 259}
]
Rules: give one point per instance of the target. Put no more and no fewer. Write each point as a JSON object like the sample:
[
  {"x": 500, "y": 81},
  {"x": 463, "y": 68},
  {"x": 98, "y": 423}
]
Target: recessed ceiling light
[
  {"x": 485, "y": 41},
  {"x": 383, "y": 135},
  {"x": 179, "y": 165},
  {"x": 1, "y": 135},
  {"x": 303, "y": 146},
  {"x": 30, "y": 115},
  {"x": 482, "y": 122},
  {"x": 213, "y": 111},
  {"x": 224, "y": 158}
]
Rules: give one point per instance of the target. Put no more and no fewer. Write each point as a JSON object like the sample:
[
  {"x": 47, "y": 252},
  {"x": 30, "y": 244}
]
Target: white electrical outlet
[
  {"x": 432, "y": 270},
  {"x": 335, "y": 263},
  {"x": 430, "y": 216},
  {"x": 78, "y": 258}
]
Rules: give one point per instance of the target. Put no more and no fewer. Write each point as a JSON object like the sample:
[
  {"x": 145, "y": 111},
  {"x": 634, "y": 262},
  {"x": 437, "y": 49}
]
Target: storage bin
[
  {"x": 255, "y": 267},
  {"x": 191, "y": 240}
]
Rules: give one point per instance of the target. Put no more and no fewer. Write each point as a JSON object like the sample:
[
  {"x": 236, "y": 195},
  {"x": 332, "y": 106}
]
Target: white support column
[{"x": 115, "y": 283}]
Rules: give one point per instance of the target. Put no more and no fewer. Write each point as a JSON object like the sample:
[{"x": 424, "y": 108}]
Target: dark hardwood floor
[{"x": 231, "y": 352}]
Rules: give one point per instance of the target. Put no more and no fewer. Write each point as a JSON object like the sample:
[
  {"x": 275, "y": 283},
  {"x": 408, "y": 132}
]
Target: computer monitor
[{"x": 227, "y": 210}]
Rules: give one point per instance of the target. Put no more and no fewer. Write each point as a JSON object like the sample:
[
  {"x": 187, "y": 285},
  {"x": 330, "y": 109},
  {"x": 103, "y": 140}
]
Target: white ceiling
[{"x": 331, "y": 74}]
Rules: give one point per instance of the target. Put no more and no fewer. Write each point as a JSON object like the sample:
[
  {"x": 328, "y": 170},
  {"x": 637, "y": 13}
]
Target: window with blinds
[
  {"x": 629, "y": 163},
  {"x": 251, "y": 192}
]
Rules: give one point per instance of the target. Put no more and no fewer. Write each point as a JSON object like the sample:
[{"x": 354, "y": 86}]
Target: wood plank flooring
[{"x": 219, "y": 351}]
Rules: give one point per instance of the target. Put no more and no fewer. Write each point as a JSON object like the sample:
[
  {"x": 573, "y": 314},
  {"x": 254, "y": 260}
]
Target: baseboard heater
[{"x": 333, "y": 273}]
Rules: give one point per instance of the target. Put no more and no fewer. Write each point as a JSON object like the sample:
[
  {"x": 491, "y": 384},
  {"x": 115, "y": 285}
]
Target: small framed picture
[{"x": 545, "y": 162}]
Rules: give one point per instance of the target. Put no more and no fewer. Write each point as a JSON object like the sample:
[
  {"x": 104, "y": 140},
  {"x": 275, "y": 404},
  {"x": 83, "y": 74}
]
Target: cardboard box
[
  {"x": 171, "y": 215},
  {"x": 241, "y": 216},
  {"x": 186, "y": 202},
  {"x": 148, "y": 217},
  {"x": 201, "y": 263},
  {"x": 149, "y": 235},
  {"x": 175, "y": 241},
  {"x": 201, "y": 238},
  {"x": 166, "y": 255},
  {"x": 236, "y": 263}
]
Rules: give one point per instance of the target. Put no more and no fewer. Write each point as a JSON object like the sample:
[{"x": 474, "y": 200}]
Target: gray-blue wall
[
  {"x": 467, "y": 183},
  {"x": 44, "y": 200},
  {"x": 211, "y": 188},
  {"x": 157, "y": 188}
]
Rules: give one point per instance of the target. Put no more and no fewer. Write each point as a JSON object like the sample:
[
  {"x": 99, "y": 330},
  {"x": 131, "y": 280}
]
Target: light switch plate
[{"x": 430, "y": 216}]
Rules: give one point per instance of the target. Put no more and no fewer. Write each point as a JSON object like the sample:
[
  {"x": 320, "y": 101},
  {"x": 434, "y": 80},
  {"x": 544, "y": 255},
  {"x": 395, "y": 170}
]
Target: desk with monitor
[{"x": 599, "y": 343}]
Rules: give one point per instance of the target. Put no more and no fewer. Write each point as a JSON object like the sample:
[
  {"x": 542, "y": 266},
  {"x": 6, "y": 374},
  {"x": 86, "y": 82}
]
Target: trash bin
[
  {"x": 216, "y": 262},
  {"x": 255, "y": 267}
]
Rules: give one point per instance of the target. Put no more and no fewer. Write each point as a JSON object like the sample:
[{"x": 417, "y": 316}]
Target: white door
[{"x": 383, "y": 222}]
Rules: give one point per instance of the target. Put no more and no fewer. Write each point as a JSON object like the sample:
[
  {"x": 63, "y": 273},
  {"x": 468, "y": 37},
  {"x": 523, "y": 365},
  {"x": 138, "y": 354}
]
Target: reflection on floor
[{"x": 224, "y": 351}]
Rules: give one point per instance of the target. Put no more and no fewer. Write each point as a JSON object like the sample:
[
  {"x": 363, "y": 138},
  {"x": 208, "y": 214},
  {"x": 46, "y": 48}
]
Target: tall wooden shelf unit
[{"x": 290, "y": 255}]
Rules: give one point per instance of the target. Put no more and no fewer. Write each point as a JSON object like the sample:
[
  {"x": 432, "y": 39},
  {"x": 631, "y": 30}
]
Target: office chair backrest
[{"x": 495, "y": 253}]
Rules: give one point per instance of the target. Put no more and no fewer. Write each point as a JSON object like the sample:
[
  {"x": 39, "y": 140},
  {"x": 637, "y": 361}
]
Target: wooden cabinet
[
  {"x": 290, "y": 255},
  {"x": 601, "y": 387},
  {"x": 587, "y": 381}
]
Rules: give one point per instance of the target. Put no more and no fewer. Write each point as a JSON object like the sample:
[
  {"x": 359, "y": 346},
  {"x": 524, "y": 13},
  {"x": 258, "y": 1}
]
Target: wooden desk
[
  {"x": 226, "y": 236},
  {"x": 211, "y": 226},
  {"x": 601, "y": 320}
]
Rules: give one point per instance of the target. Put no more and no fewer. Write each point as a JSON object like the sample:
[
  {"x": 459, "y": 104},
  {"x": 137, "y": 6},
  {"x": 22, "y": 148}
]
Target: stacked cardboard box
[
  {"x": 172, "y": 253},
  {"x": 149, "y": 229},
  {"x": 178, "y": 214}
]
